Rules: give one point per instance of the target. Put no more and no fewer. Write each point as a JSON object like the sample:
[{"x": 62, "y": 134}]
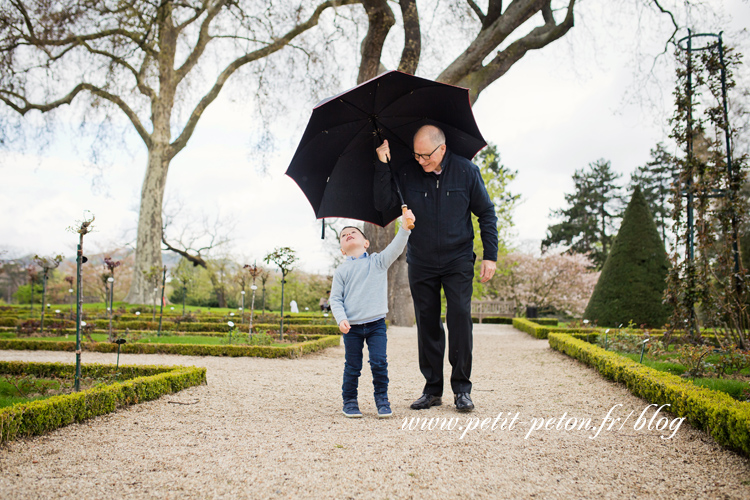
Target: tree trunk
[
  {"x": 219, "y": 290},
  {"x": 400, "y": 305},
  {"x": 148, "y": 243}
]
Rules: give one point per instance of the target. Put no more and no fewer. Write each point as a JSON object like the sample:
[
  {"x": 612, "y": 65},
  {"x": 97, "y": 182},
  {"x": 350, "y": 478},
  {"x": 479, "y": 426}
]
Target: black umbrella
[{"x": 334, "y": 162}]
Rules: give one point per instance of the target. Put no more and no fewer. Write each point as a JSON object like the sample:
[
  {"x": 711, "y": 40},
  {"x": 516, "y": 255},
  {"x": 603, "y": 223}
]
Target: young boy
[{"x": 359, "y": 302}]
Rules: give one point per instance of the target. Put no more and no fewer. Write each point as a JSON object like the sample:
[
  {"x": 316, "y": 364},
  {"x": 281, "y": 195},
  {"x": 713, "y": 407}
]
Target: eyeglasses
[{"x": 417, "y": 156}]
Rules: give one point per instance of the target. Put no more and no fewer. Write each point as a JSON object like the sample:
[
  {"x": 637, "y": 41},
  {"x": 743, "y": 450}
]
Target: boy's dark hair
[{"x": 353, "y": 227}]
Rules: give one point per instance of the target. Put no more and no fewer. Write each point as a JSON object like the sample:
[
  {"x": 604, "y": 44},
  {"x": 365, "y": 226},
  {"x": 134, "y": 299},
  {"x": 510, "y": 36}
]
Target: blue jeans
[{"x": 354, "y": 341}]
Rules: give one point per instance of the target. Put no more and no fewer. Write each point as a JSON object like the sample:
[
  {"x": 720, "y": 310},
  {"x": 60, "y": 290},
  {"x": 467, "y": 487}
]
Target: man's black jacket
[{"x": 442, "y": 204}]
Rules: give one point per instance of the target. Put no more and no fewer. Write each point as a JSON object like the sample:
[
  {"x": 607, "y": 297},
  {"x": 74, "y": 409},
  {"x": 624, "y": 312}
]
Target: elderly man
[{"x": 443, "y": 190}]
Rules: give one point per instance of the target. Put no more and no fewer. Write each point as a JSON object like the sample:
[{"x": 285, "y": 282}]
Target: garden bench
[{"x": 484, "y": 308}]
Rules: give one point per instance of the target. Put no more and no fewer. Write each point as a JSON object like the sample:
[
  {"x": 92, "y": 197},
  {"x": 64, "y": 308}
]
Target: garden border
[
  {"x": 291, "y": 351},
  {"x": 718, "y": 414},
  {"x": 38, "y": 417}
]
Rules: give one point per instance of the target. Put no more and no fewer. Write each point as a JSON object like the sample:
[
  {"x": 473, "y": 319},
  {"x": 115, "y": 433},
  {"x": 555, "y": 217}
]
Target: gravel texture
[{"x": 273, "y": 428}]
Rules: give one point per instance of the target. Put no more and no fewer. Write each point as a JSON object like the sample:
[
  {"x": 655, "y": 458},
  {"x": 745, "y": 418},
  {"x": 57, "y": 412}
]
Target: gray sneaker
[{"x": 351, "y": 409}]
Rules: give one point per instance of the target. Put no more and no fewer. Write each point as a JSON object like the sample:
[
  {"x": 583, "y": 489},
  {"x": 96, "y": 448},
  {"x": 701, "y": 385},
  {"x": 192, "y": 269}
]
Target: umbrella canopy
[{"x": 334, "y": 162}]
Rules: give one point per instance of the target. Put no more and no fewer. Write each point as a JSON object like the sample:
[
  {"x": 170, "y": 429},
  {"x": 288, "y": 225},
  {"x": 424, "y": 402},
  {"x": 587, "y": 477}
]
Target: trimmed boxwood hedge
[
  {"x": 38, "y": 417},
  {"x": 546, "y": 321},
  {"x": 290, "y": 351},
  {"x": 212, "y": 327},
  {"x": 724, "y": 418},
  {"x": 540, "y": 331}
]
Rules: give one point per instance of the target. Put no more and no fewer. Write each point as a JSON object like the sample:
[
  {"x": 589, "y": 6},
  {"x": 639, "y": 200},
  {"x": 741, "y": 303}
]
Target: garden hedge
[
  {"x": 724, "y": 418},
  {"x": 506, "y": 320},
  {"x": 590, "y": 334},
  {"x": 290, "y": 351},
  {"x": 218, "y": 329},
  {"x": 212, "y": 327},
  {"x": 38, "y": 417},
  {"x": 541, "y": 332}
]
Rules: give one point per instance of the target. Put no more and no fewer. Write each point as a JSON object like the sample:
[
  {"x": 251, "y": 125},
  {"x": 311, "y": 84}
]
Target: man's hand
[
  {"x": 384, "y": 152},
  {"x": 344, "y": 326},
  {"x": 487, "y": 271}
]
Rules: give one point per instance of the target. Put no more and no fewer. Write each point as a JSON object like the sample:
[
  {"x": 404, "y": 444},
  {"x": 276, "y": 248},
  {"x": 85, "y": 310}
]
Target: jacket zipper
[{"x": 437, "y": 195}]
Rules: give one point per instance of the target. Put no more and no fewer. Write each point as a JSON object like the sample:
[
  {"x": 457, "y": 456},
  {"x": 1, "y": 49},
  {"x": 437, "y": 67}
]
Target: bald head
[{"x": 430, "y": 133}]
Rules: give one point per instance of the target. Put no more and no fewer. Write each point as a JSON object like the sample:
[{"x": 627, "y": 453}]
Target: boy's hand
[
  {"x": 384, "y": 152},
  {"x": 407, "y": 219},
  {"x": 344, "y": 326}
]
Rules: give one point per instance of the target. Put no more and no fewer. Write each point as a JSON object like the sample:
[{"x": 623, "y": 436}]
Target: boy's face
[{"x": 353, "y": 242}]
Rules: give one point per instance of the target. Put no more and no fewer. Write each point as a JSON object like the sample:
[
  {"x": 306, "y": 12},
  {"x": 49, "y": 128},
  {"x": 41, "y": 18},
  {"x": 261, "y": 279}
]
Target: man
[{"x": 443, "y": 190}]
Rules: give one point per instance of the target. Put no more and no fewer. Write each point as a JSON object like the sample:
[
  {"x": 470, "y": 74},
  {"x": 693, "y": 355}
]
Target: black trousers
[{"x": 425, "y": 285}]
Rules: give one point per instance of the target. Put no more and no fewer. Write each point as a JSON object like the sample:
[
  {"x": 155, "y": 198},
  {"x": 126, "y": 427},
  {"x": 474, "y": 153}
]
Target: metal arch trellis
[{"x": 707, "y": 42}]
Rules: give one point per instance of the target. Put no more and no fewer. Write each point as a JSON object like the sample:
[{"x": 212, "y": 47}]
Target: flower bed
[{"x": 37, "y": 417}]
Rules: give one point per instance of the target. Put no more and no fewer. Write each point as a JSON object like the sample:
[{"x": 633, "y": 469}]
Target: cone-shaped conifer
[{"x": 633, "y": 278}]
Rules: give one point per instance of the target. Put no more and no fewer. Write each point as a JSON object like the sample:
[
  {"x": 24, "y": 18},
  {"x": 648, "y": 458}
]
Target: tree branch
[
  {"x": 6, "y": 96},
  {"x": 477, "y": 79},
  {"x": 494, "y": 11},
  {"x": 674, "y": 23},
  {"x": 477, "y": 11},
  {"x": 488, "y": 39},
  {"x": 380, "y": 20},
  {"x": 412, "y": 37},
  {"x": 196, "y": 260},
  {"x": 203, "y": 39},
  {"x": 277, "y": 45}
]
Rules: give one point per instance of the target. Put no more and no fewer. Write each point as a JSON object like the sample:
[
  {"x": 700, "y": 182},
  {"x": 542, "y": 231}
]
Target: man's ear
[
  {"x": 367, "y": 244},
  {"x": 343, "y": 253}
]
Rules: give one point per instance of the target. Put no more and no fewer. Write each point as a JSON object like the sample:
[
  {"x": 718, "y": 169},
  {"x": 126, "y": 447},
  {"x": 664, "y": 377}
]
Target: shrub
[
  {"x": 691, "y": 356},
  {"x": 633, "y": 278},
  {"x": 29, "y": 326}
]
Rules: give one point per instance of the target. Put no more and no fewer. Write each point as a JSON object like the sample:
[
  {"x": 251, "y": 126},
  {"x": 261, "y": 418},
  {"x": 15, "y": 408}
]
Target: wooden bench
[{"x": 484, "y": 308}]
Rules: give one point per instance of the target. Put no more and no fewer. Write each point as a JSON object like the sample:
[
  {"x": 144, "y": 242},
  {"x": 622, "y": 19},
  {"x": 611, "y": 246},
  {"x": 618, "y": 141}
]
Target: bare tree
[
  {"x": 192, "y": 237},
  {"x": 142, "y": 58}
]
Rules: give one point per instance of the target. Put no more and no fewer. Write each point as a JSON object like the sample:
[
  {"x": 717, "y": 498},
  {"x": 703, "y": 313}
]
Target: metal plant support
[
  {"x": 706, "y": 42},
  {"x": 161, "y": 306},
  {"x": 79, "y": 303},
  {"x": 111, "y": 285}
]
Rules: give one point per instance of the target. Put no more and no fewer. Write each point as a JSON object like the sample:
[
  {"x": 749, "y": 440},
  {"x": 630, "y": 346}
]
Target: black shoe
[
  {"x": 425, "y": 401},
  {"x": 463, "y": 402}
]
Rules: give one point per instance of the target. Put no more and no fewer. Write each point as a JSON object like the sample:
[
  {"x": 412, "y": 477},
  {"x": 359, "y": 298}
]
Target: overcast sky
[{"x": 556, "y": 111}]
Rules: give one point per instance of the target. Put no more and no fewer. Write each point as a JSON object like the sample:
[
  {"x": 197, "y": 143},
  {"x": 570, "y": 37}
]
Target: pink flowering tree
[{"x": 563, "y": 281}]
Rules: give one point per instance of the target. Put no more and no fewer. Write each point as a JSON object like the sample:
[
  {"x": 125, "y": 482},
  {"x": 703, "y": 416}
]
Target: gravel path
[{"x": 273, "y": 429}]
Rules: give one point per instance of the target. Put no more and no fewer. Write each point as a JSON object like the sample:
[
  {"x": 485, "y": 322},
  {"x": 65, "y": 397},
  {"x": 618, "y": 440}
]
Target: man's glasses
[{"x": 417, "y": 156}]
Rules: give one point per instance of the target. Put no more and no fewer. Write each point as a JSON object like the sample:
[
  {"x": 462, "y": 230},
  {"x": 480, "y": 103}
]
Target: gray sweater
[{"x": 359, "y": 292}]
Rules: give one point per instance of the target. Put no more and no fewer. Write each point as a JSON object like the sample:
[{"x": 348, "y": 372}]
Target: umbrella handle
[{"x": 409, "y": 222}]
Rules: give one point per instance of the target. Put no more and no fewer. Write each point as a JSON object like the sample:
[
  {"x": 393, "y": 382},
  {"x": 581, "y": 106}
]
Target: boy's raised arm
[{"x": 390, "y": 253}]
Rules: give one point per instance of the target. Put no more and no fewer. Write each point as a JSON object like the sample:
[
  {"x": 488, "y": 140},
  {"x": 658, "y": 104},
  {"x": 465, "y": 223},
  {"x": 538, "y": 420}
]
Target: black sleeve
[
  {"x": 384, "y": 193},
  {"x": 484, "y": 209}
]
